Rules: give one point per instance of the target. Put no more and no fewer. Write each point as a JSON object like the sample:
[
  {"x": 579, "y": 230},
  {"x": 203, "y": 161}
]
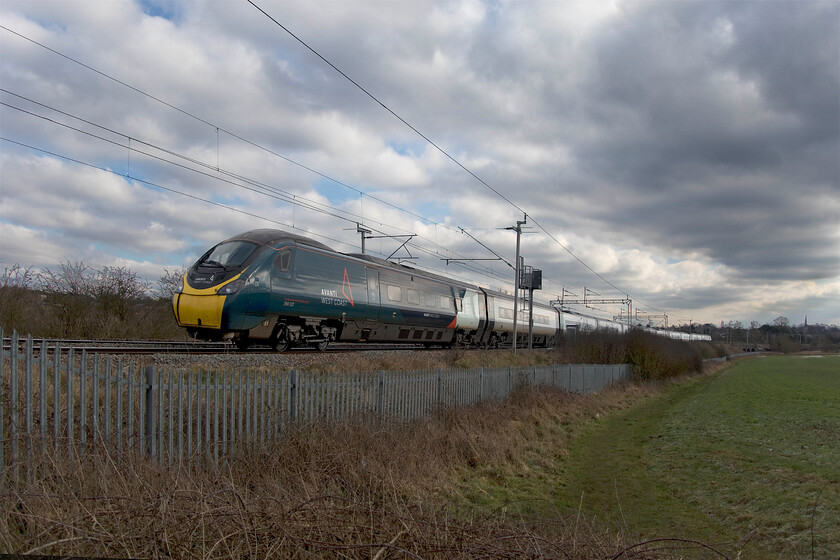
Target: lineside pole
[{"x": 518, "y": 230}]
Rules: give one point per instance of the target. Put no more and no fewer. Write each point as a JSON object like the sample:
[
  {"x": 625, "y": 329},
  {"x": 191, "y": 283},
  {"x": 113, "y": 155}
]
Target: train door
[
  {"x": 280, "y": 280},
  {"x": 490, "y": 306},
  {"x": 373, "y": 300}
]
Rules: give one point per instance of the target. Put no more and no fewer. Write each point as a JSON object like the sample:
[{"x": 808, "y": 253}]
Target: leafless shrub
[
  {"x": 167, "y": 283},
  {"x": 74, "y": 300},
  {"x": 17, "y": 276},
  {"x": 18, "y": 299},
  {"x": 652, "y": 356}
]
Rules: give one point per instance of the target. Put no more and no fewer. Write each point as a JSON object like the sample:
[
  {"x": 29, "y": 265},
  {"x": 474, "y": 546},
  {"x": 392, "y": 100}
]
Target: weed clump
[{"x": 652, "y": 357}]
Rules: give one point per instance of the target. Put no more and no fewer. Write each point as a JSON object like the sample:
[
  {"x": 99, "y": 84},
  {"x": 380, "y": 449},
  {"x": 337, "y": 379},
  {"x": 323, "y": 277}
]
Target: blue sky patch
[{"x": 166, "y": 9}]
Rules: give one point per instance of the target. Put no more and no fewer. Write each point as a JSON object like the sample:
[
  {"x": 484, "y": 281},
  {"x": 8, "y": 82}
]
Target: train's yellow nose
[{"x": 199, "y": 310}]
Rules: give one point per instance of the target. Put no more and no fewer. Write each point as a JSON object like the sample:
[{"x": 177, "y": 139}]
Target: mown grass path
[{"x": 749, "y": 453}]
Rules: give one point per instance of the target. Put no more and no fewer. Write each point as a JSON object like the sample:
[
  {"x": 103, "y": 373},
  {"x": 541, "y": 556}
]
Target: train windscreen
[{"x": 228, "y": 255}]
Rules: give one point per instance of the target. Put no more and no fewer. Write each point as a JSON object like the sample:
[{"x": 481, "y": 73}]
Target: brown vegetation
[
  {"x": 344, "y": 491},
  {"x": 353, "y": 490},
  {"x": 77, "y": 301}
]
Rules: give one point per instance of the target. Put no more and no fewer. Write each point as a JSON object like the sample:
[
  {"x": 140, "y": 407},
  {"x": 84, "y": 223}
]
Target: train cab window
[
  {"x": 413, "y": 296},
  {"x": 228, "y": 255},
  {"x": 283, "y": 260},
  {"x": 394, "y": 293},
  {"x": 431, "y": 300}
]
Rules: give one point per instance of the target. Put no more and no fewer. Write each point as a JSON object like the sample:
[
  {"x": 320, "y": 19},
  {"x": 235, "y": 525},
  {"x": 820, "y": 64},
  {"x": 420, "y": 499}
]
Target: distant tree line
[
  {"x": 74, "y": 300},
  {"x": 778, "y": 336}
]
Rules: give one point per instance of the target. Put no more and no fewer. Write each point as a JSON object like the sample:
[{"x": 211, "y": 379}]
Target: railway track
[{"x": 182, "y": 347}]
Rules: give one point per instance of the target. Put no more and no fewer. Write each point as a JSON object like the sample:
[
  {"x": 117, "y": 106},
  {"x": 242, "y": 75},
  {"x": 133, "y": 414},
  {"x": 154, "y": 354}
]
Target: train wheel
[
  {"x": 281, "y": 345},
  {"x": 322, "y": 346}
]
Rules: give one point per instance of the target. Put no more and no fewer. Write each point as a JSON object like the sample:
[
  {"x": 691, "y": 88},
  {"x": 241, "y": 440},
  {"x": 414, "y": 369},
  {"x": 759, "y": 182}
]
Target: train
[{"x": 271, "y": 287}]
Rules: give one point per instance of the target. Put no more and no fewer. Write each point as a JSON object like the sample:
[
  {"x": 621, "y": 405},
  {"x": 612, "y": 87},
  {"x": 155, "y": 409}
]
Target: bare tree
[
  {"x": 17, "y": 277},
  {"x": 71, "y": 278},
  {"x": 116, "y": 289},
  {"x": 168, "y": 282},
  {"x": 781, "y": 322},
  {"x": 18, "y": 299},
  {"x": 68, "y": 293}
]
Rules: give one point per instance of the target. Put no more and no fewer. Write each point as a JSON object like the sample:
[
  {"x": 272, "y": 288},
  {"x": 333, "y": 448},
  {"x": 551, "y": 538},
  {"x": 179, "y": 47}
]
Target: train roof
[
  {"x": 408, "y": 269},
  {"x": 269, "y": 236}
]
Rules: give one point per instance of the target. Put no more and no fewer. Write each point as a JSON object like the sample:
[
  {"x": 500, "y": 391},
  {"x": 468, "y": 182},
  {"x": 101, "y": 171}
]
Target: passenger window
[
  {"x": 394, "y": 293},
  {"x": 413, "y": 296},
  {"x": 445, "y": 303},
  {"x": 431, "y": 301}
]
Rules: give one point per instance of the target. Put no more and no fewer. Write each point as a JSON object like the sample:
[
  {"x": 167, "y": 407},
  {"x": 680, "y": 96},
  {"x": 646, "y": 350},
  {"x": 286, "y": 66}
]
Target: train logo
[{"x": 346, "y": 291}]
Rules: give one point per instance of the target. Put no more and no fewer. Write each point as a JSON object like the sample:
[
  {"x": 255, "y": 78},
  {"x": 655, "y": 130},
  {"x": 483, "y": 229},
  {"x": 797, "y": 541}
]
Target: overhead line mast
[
  {"x": 518, "y": 230},
  {"x": 586, "y": 301}
]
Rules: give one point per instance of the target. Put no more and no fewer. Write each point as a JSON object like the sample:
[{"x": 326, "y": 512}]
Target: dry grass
[
  {"x": 340, "y": 491},
  {"x": 353, "y": 490}
]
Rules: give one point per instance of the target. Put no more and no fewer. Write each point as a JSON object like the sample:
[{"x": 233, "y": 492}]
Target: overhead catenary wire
[
  {"x": 486, "y": 272},
  {"x": 433, "y": 144},
  {"x": 207, "y": 172},
  {"x": 384, "y": 106},
  {"x": 218, "y": 129}
]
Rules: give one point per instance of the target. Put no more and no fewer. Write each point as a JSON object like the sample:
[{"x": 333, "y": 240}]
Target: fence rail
[{"x": 63, "y": 401}]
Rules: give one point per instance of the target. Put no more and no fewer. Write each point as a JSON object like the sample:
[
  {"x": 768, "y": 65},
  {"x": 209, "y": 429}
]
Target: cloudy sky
[{"x": 686, "y": 154}]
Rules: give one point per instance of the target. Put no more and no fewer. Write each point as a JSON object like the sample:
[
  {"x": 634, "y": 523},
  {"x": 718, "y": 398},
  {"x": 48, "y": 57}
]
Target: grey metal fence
[{"x": 66, "y": 401}]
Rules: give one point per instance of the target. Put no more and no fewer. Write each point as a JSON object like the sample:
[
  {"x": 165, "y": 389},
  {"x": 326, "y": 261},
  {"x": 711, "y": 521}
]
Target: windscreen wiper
[{"x": 212, "y": 264}]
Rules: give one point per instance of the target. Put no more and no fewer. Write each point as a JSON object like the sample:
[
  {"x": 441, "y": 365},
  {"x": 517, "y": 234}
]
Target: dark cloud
[{"x": 718, "y": 123}]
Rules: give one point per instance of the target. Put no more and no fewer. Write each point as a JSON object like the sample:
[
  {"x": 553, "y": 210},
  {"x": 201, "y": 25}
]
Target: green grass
[{"x": 748, "y": 454}]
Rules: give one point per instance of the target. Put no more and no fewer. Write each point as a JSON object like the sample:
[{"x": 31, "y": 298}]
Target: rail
[{"x": 186, "y": 347}]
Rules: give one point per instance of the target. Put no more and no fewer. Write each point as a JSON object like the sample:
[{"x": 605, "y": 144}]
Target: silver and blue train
[{"x": 272, "y": 287}]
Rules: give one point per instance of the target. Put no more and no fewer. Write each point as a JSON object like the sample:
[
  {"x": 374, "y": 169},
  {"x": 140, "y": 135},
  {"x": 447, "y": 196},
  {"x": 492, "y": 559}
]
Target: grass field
[{"x": 748, "y": 458}]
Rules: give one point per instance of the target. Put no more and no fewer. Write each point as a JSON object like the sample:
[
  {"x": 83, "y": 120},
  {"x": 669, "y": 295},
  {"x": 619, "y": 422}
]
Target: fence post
[
  {"x": 29, "y": 396},
  {"x": 43, "y": 383},
  {"x": 292, "y": 395},
  {"x": 14, "y": 395},
  {"x": 380, "y": 395},
  {"x": 150, "y": 416},
  {"x": 439, "y": 387}
]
